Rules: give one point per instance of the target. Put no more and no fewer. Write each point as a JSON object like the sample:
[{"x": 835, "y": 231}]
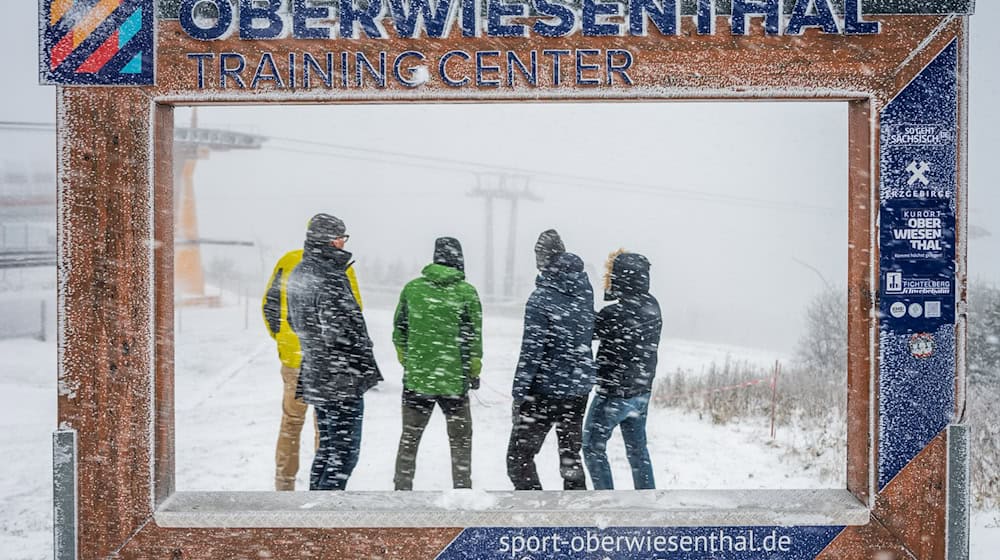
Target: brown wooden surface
[
  {"x": 868, "y": 542},
  {"x": 860, "y": 298},
  {"x": 948, "y": 29},
  {"x": 912, "y": 505},
  {"x": 112, "y": 278},
  {"x": 701, "y": 64},
  {"x": 908, "y": 519},
  {"x": 163, "y": 266},
  {"x": 105, "y": 233}
]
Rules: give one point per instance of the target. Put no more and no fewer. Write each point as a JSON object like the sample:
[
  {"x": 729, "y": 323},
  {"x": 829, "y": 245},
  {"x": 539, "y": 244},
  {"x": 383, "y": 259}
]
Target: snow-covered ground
[
  {"x": 985, "y": 537},
  {"x": 228, "y": 409},
  {"x": 27, "y": 420},
  {"x": 241, "y": 399}
]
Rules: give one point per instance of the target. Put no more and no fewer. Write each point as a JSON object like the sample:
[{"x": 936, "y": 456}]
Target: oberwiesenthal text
[
  {"x": 309, "y": 20},
  {"x": 437, "y": 19},
  {"x": 522, "y": 547}
]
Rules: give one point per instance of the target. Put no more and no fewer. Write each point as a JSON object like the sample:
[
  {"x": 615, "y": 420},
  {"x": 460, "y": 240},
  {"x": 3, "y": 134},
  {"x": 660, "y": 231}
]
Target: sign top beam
[{"x": 167, "y": 9}]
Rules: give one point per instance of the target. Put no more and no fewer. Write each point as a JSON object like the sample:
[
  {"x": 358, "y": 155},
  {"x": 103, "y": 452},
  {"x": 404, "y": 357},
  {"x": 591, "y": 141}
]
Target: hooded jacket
[
  {"x": 438, "y": 332},
  {"x": 628, "y": 331},
  {"x": 556, "y": 359},
  {"x": 337, "y": 357},
  {"x": 275, "y": 308}
]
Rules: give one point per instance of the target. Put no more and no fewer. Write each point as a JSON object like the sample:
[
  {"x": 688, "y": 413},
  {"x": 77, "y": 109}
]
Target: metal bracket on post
[
  {"x": 958, "y": 493},
  {"x": 64, "y": 485}
]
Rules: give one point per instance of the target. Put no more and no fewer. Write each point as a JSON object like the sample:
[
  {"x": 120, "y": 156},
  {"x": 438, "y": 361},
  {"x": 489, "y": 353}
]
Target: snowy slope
[{"x": 241, "y": 400}]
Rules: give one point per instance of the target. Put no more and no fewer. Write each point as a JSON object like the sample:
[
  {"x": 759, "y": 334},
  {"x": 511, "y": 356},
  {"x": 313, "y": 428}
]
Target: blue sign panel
[
  {"x": 918, "y": 272},
  {"x": 919, "y": 155},
  {"x": 681, "y": 543},
  {"x": 96, "y": 42}
]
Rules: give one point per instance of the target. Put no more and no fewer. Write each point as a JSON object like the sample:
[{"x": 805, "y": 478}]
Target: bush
[
  {"x": 811, "y": 390},
  {"x": 814, "y": 414},
  {"x": 983, "y": 414},
  {"x": 709, "y": 391}
]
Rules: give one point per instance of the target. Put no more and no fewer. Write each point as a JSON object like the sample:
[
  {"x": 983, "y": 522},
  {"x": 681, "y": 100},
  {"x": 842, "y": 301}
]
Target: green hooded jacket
[{"x": 439, "y": 332}]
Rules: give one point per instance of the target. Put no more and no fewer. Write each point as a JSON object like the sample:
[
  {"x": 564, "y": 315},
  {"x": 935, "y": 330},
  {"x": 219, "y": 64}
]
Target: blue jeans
[
  {"x": 605, "y": 413},
  {"x": 339, "y": 443}
]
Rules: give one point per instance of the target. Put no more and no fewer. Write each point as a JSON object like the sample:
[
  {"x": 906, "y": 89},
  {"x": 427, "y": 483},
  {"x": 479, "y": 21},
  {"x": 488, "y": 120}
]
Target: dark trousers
[
  {"x": 339, "y": 443},
  {"x": 536, "y": 416},
  {"x": 417, "y": 409}
]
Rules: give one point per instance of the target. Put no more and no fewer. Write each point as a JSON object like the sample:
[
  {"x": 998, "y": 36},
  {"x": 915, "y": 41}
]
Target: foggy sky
[
  {"x": 790, "y": 152},
  {"x": 728, "y": 269}
]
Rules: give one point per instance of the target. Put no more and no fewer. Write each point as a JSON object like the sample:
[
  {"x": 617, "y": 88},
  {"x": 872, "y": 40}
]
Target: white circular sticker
[
  {"x": 898, "y": 309},
  {"x": 922, "y": 345},
  {"x": 916, "y": 310}
]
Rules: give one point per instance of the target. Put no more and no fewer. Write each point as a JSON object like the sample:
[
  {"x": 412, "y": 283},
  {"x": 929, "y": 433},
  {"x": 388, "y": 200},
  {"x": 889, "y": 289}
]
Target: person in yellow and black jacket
[{"x": 293, "y": 410}]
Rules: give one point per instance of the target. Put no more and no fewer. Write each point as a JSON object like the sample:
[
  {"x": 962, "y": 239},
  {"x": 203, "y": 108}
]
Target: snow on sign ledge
[{"x": 471, "y": 508}]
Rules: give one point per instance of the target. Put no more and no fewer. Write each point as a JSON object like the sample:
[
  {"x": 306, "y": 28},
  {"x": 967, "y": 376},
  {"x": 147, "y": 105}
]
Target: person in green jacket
[{"x": 437, "y": 332}]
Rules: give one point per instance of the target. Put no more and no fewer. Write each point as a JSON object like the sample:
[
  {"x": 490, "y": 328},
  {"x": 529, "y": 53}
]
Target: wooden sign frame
[{"x": 116, "y": 294}]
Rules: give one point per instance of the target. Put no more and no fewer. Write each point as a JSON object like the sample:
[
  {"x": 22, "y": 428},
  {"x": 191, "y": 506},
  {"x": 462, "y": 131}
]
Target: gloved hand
[{"x": 474, "y": 383}]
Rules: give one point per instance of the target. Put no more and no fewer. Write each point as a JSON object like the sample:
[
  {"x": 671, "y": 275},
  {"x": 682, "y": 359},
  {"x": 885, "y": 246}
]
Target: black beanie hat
[
  {"x": 448, "y": 252},
  {"x": 548, "y": 247},
  {"x": 324, "y": 228}
]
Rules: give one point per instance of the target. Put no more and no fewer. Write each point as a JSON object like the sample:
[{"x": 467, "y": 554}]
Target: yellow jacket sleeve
[
  {"x": 353, "y": 278},
  {"x": 275, "y": 308}
]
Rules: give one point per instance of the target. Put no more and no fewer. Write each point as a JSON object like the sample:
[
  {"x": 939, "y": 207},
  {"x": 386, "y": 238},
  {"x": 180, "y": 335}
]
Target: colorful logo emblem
[
  {"x": 96, "y": 42},
  {"x": 922, "y": 345}
]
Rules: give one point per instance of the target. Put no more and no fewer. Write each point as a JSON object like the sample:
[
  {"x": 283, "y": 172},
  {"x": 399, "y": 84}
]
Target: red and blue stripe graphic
[{"x": 97, "y": 42}]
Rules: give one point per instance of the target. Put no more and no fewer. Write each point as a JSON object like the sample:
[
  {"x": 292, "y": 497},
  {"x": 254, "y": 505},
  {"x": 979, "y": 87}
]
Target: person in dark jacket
[
  {"x": 628, "y": 334},
  {"x": 293, "y": 410},
  {"x": 438, "y": 336},
  {"x": 555, "y": 371},
  {"x": 338, "y": 365}
]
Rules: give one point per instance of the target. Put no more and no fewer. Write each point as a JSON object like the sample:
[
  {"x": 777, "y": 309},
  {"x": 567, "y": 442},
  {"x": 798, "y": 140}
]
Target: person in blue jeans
[{"x": 628, "y": 335}]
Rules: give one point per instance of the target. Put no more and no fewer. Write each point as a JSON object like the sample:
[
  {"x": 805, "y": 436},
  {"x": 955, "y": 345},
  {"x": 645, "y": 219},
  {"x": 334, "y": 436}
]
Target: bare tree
[
  {"x": 822, "y": 348},
  {"x": 984, "y": 333}
]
